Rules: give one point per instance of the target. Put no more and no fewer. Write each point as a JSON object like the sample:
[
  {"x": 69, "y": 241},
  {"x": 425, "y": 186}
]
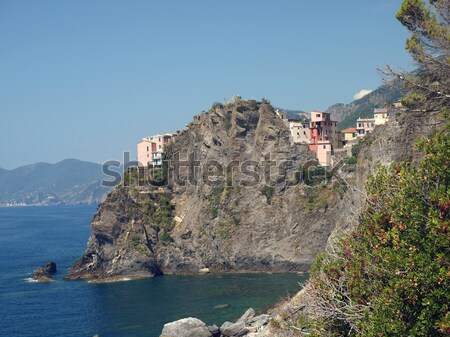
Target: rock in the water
[
  {"x": 245, "y": 324},
  {"x": 44, "y": 273},
  {"x": 248, "y": 315},
  {"x": 221, "y": 306},
  {"x": 50, "y": 268},
  {"x": 204, "y": 271},
  {"x": 258, "y": 321},
  {"x": 237, "y": 329},
  {"x": 186, "y": 327}
]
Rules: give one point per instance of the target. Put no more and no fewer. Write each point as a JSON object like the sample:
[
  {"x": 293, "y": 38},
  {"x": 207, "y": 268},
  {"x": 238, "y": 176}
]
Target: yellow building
[
  {"x": 381, "y": 116},
  {"x": 348, "y": 134}
]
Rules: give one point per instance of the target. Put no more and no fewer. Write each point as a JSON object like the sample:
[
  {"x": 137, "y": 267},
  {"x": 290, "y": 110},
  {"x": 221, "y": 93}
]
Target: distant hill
[
  {"x": 70, "y": 181},
  {"x": 296, "y": 114},
  {"x": 347, "y": 114}
]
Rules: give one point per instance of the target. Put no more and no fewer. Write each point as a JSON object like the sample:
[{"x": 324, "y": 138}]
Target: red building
[{"x": 322, "y": 128}]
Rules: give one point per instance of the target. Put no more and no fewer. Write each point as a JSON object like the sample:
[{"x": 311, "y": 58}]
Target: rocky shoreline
[{"x": 247, "y": 325}]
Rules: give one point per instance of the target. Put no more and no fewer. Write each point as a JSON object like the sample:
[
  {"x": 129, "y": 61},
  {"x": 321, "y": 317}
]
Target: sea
[{"x": 32, "y": 236}]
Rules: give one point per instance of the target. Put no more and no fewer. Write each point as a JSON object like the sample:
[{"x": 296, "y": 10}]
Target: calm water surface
[{"x": 32, "y": 236}]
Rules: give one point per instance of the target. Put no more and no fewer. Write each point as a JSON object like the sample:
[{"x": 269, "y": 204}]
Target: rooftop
[{"x": 349, "y": 130}]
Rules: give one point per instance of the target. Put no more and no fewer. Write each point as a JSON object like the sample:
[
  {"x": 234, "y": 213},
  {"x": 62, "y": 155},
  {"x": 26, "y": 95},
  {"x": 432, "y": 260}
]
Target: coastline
[{"x": 127, "y": 278}]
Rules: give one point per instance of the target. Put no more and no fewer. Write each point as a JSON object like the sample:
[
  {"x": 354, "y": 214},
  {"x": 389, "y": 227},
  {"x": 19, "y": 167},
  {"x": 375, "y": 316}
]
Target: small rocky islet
[{"x": 44, "y": 273}]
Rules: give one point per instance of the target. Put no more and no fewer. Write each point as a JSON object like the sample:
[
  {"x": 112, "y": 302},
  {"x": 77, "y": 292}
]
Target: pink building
[
  {"x": 322, "y": 128},
  {"x": 150, "y": 149},
  {"x": 323, "y": 136},
  {"x": 324, "y": 152},
  {"x": 145, "y": 148}
]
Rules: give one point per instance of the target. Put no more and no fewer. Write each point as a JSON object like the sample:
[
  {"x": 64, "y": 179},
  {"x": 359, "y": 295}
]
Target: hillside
[
  {"x": 70, "y": 181},
  {"x": 240, "y": 219},
  {"x": 347, "y": 114}
]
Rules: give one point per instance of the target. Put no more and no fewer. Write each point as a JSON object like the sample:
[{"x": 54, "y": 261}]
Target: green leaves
[{"x": 396, "y": 262}]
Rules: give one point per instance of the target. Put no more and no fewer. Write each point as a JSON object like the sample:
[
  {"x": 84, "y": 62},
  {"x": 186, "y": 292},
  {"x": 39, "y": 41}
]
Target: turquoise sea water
[{"x": 32, "y": 236}]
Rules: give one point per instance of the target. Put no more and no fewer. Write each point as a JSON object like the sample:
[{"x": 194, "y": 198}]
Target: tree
[
  {"x": 429, "y": 46},
  {"x": 390, "y": 274}
]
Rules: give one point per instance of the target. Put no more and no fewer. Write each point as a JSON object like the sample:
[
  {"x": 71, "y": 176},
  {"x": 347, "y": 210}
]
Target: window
[
  {"x": 147, "y": 155},
  {"x": 159, "y": 139},
  {"x": 160, "y": 146},
  {"x": 304, "y": 132},
  {"x": 318, "y": 115},
  {"x": 324, "y": 146},
  {"x": 147, "y": 148}
]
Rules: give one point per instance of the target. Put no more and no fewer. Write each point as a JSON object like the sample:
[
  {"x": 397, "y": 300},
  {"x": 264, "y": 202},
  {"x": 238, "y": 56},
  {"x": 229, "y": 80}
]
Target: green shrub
[
  {"x": 314, "y": 175},
  {"x": 162, "y": 218},
  {"x": 214, "y": 212},
  {"x": 164, "y": 236},
  {"x": 350, "y": 160},
  {"x": 227, "y": 120},
  {"x": 390, "y": 275},
  {"x": 135, "y": 240},
  {"x": 268, "y": 192}
]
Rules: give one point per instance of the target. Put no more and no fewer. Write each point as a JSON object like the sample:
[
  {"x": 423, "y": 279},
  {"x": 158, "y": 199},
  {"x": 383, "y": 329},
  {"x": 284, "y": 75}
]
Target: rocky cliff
[
  {"x": 235, "y": 201},
  {"x": 393, "y": 142}
]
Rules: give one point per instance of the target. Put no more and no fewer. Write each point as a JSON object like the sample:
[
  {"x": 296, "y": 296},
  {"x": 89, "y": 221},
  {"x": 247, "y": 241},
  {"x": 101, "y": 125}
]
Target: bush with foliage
[
  {"x": 162, "y": 217},
  {"x": 268, "y": 192},
  {"x": 391, "y": 275}
]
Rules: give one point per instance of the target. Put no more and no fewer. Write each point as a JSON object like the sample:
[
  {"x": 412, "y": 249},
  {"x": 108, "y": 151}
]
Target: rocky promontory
[{"x": 232, "y": 198}]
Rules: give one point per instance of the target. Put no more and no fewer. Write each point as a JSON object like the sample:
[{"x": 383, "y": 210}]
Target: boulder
[
  {"x": 258, "y": 321},
  {"x": 44, "y": 273},
  {"x": 237, "y": 329},
  {"x": 245, "y": 324},
  {"x": 186, "y": 327},
  {"x": 204, "y": 271},
  {"x": 248, "y": 315}
]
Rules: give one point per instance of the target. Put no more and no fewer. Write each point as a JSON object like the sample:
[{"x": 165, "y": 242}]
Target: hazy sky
[{"x": 87, "y": 79}]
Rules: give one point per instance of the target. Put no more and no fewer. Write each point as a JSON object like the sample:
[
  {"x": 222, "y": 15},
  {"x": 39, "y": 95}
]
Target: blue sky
[{"x": 87, "y": 79}]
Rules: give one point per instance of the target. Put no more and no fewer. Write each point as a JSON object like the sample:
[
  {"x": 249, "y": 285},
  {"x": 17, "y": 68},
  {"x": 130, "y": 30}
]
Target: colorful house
[
  {"x": 150, "y": 150},
  {"x": 364, "y": 126},
  {"x": 324, "y": 152},
  {"x": 322, "y": 128},
  {"x": 348, "y": 135},
  {"x": 381, "y": 116},
  {"x": 299, "y": 131}
]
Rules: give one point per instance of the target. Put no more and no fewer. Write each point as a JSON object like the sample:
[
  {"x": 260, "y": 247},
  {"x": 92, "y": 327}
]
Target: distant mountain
[
  {"x": 347, "y": 114},
  {"x": 70, "y": 181},
  {"x": 296, "y": 114}
]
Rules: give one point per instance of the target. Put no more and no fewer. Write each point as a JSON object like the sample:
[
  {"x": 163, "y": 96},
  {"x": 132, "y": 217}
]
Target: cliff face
[
  {"x": 221, "y": 208},
  {"x": 389, "y": 143}
]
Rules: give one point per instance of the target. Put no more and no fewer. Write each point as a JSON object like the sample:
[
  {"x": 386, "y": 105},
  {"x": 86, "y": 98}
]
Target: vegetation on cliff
[
  {"x": 234, "y": 195},
  {"x": 389, "y": 275}
]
